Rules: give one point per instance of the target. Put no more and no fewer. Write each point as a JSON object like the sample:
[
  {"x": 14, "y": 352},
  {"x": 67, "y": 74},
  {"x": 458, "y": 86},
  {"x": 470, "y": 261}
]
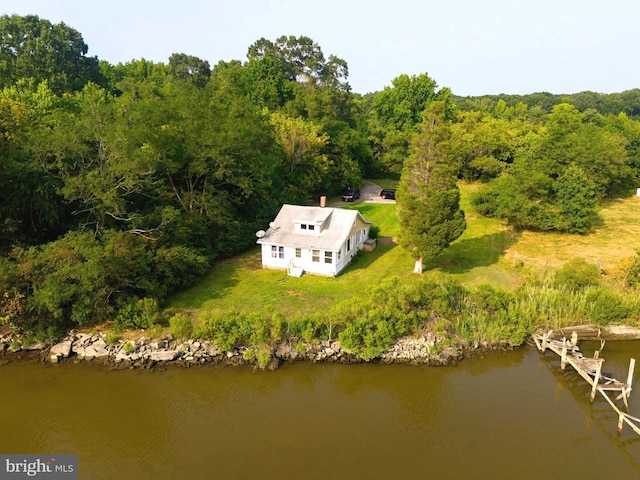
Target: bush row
[{"x": 368, "y": 325}]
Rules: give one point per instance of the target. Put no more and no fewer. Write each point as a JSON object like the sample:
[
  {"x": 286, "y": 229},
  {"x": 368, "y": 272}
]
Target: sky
[{"x": 473, "y": 47}]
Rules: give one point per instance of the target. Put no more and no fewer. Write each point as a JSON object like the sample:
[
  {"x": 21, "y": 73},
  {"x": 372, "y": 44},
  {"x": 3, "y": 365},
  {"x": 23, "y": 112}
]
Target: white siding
[{"x": 285, "y": 256}]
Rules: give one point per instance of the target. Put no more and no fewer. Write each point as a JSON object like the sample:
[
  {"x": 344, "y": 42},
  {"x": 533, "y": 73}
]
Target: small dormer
[{"x": 313, "y": 221}]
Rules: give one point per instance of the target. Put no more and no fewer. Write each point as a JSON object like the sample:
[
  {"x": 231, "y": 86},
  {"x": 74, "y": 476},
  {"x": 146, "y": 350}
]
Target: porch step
[{"x": 296, "y": 271}]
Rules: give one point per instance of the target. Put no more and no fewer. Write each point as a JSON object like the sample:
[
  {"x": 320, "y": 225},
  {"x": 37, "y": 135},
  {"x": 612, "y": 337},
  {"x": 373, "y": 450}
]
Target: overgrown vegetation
[
  {"x": 121, "y": 185},
  {"x": 368, "y": 324}
]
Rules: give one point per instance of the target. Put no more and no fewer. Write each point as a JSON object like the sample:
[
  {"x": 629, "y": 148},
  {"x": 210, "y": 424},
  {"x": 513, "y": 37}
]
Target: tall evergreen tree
[{"x": 428, "y": 197}]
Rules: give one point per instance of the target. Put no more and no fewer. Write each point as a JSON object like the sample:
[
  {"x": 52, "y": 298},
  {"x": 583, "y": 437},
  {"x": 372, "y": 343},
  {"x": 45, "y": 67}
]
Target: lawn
[{"x": 483, "y": 254}]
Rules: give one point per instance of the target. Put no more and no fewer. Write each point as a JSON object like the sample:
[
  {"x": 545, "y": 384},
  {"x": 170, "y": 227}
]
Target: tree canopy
[{"x": 33, "y": 48}]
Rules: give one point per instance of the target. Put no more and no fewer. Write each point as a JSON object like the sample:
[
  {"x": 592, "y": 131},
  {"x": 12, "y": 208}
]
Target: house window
[
  {"x": 315, "y": 255},
  {"x": 358, "y": 236},
  {"x": 303, "y": 226},
  {"x": 349, "y": 244},
  {"x": 339, "y": 253},
  {"x": 298, "y": 253},
  {"x": 328, "y": 257},
  {"x": 312, "y": 227},
  {"x": 274, "y": 251},
  {"x": 281, "y": 252}
]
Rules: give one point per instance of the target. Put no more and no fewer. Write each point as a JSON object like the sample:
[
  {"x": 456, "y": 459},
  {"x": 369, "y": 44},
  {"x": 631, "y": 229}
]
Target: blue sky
[{"x": 473, "y": 47}]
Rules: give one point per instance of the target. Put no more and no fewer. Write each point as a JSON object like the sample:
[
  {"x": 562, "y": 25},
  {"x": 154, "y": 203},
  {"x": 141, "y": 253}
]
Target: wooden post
[
  {"x": 544, "y": 342},
  {"x": 563, "y": 357},
  {"x": 574, "y": 339},
  {"x": 538, "y": 345},
  {"x": 596, "y": 380},
  {"x": 620, "y": 422},
  {"x": 627, "y": 388}
]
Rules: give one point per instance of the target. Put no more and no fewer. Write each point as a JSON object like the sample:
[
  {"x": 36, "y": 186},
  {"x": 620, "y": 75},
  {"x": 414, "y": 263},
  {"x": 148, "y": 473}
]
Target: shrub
[
  {"x": 303, "y": 327},
  {"x": 143, "y": 313},
  {"x": 577, "y": 274},
  {"x": 629, "y": 270},
  {"x": 491, "y": 299},
  {"x": 606, "y": 307},
  {"x": 180, "y": 326},
  {"x": 367, "y": 338}
]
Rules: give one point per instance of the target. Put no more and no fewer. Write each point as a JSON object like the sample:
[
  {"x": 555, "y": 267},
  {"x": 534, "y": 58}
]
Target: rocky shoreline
[{"x": 147, "y": 353}]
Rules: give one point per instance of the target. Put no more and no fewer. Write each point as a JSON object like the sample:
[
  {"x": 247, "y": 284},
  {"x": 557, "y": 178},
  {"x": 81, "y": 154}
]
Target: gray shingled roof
[{"x": 337, "y": 226}]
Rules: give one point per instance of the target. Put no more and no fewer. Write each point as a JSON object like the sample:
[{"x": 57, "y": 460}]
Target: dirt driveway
[{"x": 370, "y": 193}]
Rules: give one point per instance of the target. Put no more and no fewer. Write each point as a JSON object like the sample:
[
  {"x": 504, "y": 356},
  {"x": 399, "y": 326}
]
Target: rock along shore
[{"x": 147, "y": 353}]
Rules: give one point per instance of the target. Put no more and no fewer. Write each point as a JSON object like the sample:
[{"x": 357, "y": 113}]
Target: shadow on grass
[
  {"x": 364, "y": 260},
  {"x": 467, "y": 254}
]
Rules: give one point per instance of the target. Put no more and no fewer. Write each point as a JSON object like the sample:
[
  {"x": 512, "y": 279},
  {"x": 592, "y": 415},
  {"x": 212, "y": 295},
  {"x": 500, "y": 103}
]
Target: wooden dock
[{"x": 591, "y": 370}]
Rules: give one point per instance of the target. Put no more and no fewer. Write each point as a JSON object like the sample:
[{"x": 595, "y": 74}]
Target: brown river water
[{"x": 505, "y": 415}]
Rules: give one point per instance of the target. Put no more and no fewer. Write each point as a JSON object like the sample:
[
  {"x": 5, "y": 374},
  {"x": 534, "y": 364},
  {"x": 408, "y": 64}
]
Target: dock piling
[{"x": 591, "y": 371}]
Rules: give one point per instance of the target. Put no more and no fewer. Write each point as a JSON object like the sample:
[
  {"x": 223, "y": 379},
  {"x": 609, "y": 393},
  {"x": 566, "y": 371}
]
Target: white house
[{"x": 318, "y": 240}]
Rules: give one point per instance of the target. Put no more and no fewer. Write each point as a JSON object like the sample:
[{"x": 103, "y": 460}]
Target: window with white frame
[
  {"x": 328, "y": 257},
  {"x": 274, "y": 251},
  {"x": 315, "y": 255},
  {"x": 280, "y": 252},
  {"x": 298, "y": 252}
]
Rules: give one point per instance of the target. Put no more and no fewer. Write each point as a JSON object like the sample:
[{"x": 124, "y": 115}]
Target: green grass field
[{"x": 483, "y": 254}]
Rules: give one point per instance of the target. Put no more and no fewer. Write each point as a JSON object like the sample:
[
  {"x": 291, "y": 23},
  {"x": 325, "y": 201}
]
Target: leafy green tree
[
  {"x": 211, "y": 157},
  {"x": 188, "y": 67},
  {"x": 481, "y": 145},
  {"x": 396, "y": 115},
  {"x": 576, "y": 199},
  {"x": 86, "y": 150},
  {"x": 428, "y": 197},
  {"x": 301, "y": 59},
  {"x": 137, "y": 77},
  {"x": 31, "y": 211},
  {"x": 305, "y": 165},
  {"x": 34, "y": 48},
  {"x": 628, "y": 129},
  {"x": 560, "y": 171}
]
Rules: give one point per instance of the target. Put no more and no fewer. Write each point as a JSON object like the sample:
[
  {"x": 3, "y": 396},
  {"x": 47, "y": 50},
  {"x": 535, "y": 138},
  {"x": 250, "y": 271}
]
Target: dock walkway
[{"x": 591, "y": 370}]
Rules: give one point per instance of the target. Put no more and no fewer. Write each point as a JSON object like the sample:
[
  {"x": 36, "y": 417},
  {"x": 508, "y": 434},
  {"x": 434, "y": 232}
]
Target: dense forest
[{"x": 127, "y": 182}]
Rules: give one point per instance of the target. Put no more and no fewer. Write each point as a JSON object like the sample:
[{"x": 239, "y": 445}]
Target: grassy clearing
[
  {"x": 383, "y": 216},
  {"x": 614, "y": 239},
  {"x": 241, "y": 283},
  {"x": 483, "y": 254}
]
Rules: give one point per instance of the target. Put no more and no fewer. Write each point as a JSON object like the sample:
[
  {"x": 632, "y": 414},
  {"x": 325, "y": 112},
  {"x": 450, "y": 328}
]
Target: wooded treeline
[{"x": 123, "y": 182}]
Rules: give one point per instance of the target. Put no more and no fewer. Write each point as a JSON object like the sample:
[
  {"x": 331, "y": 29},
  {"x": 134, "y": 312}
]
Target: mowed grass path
[{"x": 483, "y": 254}]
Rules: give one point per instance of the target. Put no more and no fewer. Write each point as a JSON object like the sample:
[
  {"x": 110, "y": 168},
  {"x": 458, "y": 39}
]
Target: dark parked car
[
  {"x": 351, "y": 194},
  {"x": 388, "y": 193}
]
